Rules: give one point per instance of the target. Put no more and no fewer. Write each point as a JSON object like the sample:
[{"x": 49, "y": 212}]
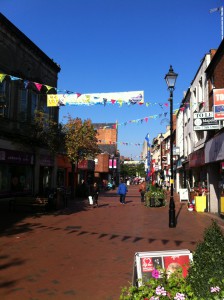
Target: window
[
  {"x": 23, "y": 105},
  {"x": 4, "y": 99},
  {"x": 34, "y": 104}
]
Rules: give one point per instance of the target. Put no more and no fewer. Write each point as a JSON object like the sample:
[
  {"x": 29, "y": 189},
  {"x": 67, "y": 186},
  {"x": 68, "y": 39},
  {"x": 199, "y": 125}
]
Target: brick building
[{"x": 107, "y": 164}]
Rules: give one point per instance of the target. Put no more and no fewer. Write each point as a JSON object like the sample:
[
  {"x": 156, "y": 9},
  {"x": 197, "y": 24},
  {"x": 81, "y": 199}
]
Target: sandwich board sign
[
  {"x": 183, "y": 194},
  {"x": 171, "y": 260}
]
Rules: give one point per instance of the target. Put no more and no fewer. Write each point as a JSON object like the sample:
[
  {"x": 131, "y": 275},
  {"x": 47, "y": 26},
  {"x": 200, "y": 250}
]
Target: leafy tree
[
  {"x": 43, "y": 131},
  {"x": 80, "y": 143},
  {"x": 207, "y": 269},
  {"x": 132, "y": 170}
]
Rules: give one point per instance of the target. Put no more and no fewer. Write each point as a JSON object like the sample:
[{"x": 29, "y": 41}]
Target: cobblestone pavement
[{"x": 87, "y": 253}]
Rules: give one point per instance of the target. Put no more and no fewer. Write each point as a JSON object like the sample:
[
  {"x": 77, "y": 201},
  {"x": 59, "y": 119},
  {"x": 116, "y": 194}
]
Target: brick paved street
[{"x": 84, "y": 252}]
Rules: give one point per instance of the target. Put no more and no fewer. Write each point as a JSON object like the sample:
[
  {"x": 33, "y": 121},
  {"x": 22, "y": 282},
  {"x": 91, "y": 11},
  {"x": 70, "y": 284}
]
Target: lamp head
[
  {"x": 171, "y": 78},
  {"x": 161, "y": 137}
]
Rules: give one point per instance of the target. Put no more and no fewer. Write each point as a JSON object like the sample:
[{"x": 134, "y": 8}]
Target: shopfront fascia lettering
[
  {"x": 16, "y": 157},
  {"x": 46, "y": 160}
]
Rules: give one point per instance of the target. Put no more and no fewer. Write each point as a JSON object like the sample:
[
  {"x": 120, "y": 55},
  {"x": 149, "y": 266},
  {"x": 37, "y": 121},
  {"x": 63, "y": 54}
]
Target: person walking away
[
  {"x": 95, "y": 194},
  {"x": 122, "y": 191},
  {"x": 142, "y": 190}
]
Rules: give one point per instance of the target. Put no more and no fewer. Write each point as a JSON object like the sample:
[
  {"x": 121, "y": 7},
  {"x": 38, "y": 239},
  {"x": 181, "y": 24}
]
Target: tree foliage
[
  {"x": 43, "y": 131},
  {"x": 132, "y": 170},
  {"x": 80, "y": 139}
]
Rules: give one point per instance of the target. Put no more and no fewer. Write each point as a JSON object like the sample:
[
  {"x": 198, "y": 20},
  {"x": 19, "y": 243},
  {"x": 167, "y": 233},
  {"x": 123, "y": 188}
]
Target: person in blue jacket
[{"x": 122, "y": 191}]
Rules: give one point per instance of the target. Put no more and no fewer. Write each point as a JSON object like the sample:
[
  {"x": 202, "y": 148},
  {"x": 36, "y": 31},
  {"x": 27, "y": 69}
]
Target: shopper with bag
[{"x": 94, "y": 193}]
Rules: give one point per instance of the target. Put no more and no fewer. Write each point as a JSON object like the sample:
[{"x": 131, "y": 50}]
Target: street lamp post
[
  {"x": 161, "y": 137},
  {"x": 170, "y": 78}
]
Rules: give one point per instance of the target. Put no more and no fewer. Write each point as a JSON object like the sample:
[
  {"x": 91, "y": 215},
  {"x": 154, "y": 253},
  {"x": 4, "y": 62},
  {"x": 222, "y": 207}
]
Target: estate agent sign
[
  {"x": 205, "y": 121},
  {"x": 218, "y": 103}
]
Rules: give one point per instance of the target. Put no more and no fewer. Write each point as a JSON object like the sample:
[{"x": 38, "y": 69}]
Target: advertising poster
[
  {"x": 145, "y": 263},
  {"x": 218, "y": 101}
]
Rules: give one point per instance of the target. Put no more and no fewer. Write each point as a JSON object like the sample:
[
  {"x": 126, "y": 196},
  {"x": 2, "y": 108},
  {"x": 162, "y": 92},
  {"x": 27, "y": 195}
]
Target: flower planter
[{"x": 152, "y": 202}]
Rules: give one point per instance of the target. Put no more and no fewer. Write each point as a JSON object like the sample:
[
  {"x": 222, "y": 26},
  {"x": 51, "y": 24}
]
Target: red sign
[{"x": 218, "y": 101}]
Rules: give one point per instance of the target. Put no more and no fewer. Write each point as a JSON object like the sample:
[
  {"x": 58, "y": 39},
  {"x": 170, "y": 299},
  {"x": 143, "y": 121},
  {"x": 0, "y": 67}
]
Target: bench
[{"x": 34, "y": 203}]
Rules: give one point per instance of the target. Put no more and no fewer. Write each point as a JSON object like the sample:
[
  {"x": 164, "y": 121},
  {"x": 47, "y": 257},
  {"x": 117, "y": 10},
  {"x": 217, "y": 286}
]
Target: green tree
[
  {"x": 43, "y": 131},
  {"x": 132, "y": 170},
  {"x": 80, "y": 143}
]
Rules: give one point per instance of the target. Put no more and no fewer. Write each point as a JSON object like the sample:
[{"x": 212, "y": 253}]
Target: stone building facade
[{"x": 26, "y": 74}]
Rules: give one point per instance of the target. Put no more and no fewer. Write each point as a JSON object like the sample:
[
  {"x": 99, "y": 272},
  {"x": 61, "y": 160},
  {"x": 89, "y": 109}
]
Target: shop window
[{"x": 4, "y": 99}]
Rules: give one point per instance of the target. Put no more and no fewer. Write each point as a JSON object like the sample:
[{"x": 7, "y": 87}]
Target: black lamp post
[
  {"x": 161, "y": 137},
  {"x": 171, "y": 80}
]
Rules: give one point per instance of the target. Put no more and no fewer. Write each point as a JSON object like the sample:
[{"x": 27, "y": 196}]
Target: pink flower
[
  {"x": 179, "y": 296},
  {"x": 155, "y": 273},
  {"x": 215, "y": 289},
  {"x": 160, "y": 291}
]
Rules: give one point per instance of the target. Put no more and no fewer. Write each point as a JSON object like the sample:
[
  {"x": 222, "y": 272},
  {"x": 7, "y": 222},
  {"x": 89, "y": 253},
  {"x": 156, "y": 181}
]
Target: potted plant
[{"x": 155, "y": 197}]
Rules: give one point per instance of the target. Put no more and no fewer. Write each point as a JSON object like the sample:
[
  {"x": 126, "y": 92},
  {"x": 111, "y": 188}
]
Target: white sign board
[
  {"x": 205, "y": 121},
  {"x": 183, "y": 194}
]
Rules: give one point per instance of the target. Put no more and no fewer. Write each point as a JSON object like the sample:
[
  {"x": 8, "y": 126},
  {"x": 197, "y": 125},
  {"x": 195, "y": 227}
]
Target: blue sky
[{"x": 121, "y": 45}]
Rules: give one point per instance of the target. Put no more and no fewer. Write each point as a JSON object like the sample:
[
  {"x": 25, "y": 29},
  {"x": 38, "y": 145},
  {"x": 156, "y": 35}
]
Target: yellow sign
[{"x": 52, "y": 100}]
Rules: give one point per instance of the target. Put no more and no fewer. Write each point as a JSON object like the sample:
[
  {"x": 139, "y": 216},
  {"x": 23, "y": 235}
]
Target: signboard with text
[
  {"x": 218, "y": 104},
  {"x": 205, "y": 121},
  {"x": 146, "y": 262}
]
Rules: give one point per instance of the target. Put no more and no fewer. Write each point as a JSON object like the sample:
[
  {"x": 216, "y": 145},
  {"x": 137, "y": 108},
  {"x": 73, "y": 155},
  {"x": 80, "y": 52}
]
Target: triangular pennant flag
[
  {"x": 48, "y": 87},
  {"x": 38, "y": 86},
  {"x": 2, "y": 77},
  {"x": 14, "y": 78},
  {"x": 26, "y": 83}
]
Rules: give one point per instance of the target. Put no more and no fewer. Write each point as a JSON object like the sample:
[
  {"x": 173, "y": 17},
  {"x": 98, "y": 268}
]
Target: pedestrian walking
[
  {"x": 94, "y": 192},
  {"x": 142, "y": 190},
  {"x": 122, "y": 191}
]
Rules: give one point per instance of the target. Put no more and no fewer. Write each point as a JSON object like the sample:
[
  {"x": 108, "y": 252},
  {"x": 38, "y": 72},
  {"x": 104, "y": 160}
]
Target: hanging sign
[
  {"x": 218, "y": 101},
  {"x": 145, "y": 263},
  {"x": 205, "y": 121},
  {"x": 135, "y": 97}
]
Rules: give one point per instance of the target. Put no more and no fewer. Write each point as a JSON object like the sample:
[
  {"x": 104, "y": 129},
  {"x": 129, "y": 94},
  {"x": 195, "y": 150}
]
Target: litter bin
[{"x": 200, "y": 203}]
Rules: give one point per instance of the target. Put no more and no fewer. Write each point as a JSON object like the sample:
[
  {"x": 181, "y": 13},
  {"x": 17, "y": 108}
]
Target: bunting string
[{"x": 84, "y": 98}]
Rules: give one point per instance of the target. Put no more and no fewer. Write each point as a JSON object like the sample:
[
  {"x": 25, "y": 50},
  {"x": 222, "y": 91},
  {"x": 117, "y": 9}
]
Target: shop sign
[
  {"x": 214, "y": 149},
  {"x": 197, "y": 158},
  {"x": 46, "y": 161},
  {"x": 205, "y": 121},
  {"x": 86, "y": 165},
  {"x": 218, "y": 101},
  {"x": 176, "y": 150},
  {"x": 16, "y": 157}
]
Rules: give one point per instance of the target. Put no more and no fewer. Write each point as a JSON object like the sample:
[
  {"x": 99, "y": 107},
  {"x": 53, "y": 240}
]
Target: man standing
[
  {"x": 142, "y": 190},
  {"x": 122, "y": 191}
]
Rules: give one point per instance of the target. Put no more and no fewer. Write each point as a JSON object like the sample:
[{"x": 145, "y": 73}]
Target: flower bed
[{"x": 204, "y": 281}]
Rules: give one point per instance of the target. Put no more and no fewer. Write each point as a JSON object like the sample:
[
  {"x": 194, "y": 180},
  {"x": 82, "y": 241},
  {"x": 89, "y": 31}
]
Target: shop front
[
  {"x": 214, "y": 157},
  {"x": 199, "y": 186},
  {"x": 46, "y": 174},
  {"x": 16, "y": 173}
]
